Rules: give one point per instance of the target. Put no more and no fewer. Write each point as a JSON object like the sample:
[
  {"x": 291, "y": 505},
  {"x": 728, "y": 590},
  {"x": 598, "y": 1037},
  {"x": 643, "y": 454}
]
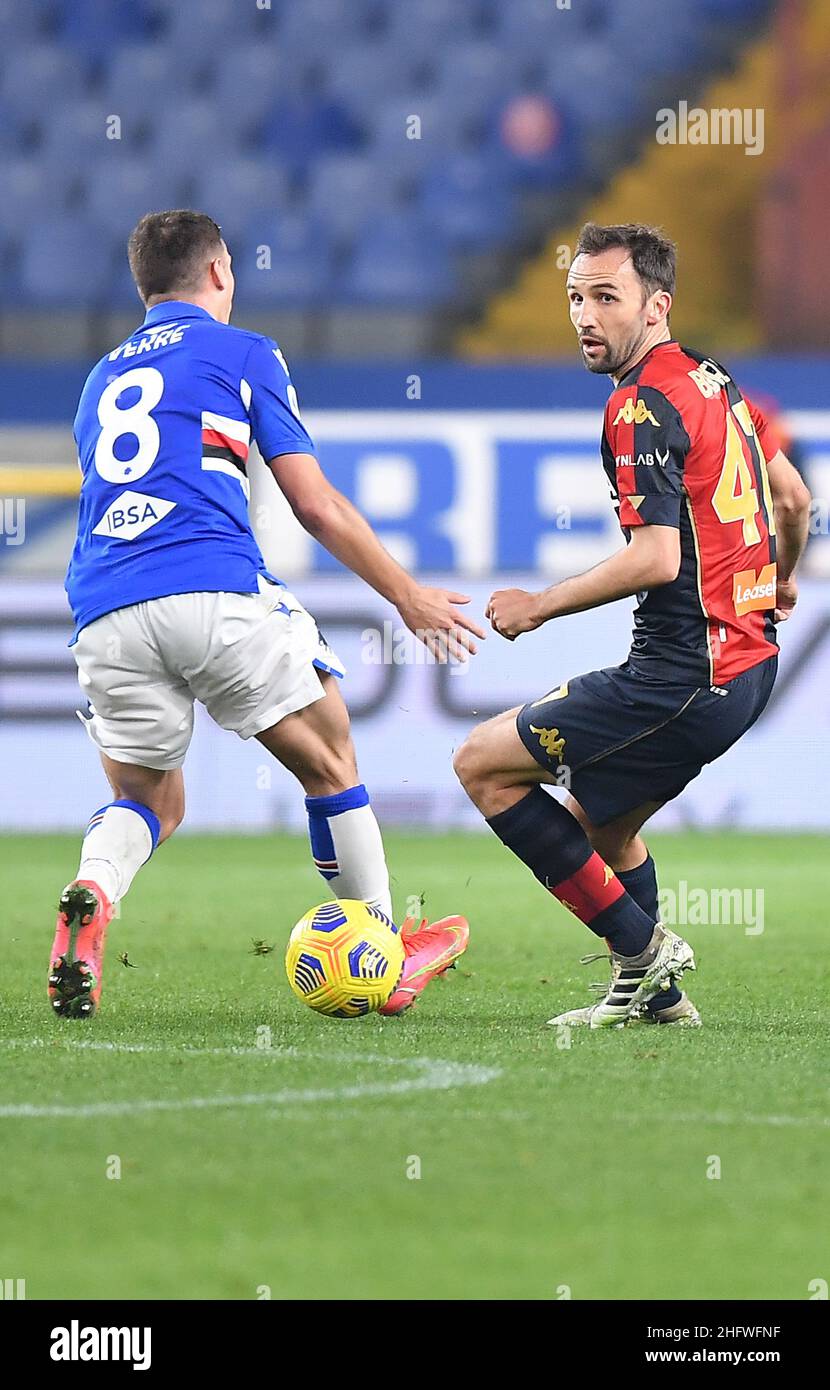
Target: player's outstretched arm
[
  {"x": 791, "y": 505},
  {"x": 651, "y": 558},
  {"x": 332, "y": 520}
]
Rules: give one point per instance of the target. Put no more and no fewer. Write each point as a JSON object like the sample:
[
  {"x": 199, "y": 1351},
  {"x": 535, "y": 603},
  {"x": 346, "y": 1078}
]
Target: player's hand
[
  {"x": 786, "y": 597},
  {"x": 433, "y": 617},
  {"x": 513, "y": 611}
]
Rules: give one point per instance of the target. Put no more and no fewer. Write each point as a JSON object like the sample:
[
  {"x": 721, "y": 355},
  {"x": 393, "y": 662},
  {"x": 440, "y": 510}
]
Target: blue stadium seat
[
  {"x": 310, "y": 28},
  {"x": 140, "y": 77},
  {"x": 424, "y": 26},
  {"x": 31, "y": 194},
  {"x": 65, "y": 263},
  {"x": 43, "y": 80},
  {"x": 536, "y": 27},
  {"x": 189, "y": 135},
  {"x": 300, "y": 271},
  {"x": 13, "y": 131},
  {"x": 96, "y": 27},
  {"x": 200, "y": 33},
  {"x": 302, "y": 125},
  {"x": 81, "y": 137},
  {"x": 119, "y": 192},
  {"x": 248, "y": 78},
  {"x": 394, "y": 134},
  {"x": 237, "y": 190},
  {"x": 657, "y": 39},
  {"x": 478, "y": 70},
  {"x": 595, "y": 87},
  {"x": 346, "y": 191},
  {"x": 463, "y": 197},
  {"x": 398, "y": 262},
  {"x": 364, "y": 74},
  {"x": 732, "y": 10},
  {"x": 19, "y": 25}
]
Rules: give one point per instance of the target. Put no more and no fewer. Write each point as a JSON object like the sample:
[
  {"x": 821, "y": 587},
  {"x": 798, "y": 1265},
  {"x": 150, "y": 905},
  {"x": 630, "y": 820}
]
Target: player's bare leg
[
  {"x": 315, "y": 744},
  {"x": 147, "y": 806},
  {"x": 502, "y": 778}
]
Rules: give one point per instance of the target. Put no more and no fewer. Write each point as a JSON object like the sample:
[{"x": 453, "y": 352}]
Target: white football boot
[
  {"x": 683, "y": 1014},
  {"x": 634, "y": 981}
]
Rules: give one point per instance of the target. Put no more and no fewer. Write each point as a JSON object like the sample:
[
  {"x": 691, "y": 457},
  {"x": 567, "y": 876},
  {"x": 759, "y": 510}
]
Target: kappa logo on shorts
[
  {"x": 552, "y": 742},
  {"x": 752, "y": 589},
  {"x": 131, "y": 514}
]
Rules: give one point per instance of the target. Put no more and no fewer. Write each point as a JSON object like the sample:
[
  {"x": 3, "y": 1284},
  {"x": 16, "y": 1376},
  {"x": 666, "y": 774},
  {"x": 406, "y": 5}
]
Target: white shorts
[{"x": 248, "y": 658}]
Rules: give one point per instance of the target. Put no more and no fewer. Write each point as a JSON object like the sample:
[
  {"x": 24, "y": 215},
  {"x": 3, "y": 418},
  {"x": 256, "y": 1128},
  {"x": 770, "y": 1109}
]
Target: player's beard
[{"x": 609, "y": 362}]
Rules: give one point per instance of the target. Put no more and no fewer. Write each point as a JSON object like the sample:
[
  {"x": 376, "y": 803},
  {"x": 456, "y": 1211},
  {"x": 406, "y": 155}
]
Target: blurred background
[{"x": 401, "y": 186}]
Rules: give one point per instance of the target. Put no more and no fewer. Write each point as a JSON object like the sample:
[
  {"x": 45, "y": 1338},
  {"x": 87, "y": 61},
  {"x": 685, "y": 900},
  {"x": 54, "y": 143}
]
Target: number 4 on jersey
[{"x": 736, "y": 497}]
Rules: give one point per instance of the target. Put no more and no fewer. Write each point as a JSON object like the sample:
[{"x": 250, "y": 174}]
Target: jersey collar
[
  {"x": 633, "y": 373},
  {"x": 176, "y": 309}
]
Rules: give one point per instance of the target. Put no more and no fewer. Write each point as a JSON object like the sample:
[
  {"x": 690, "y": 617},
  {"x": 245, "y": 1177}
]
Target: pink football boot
[
  {"x": 74, "y": 984},
  {"x": 429, "y": 952}
]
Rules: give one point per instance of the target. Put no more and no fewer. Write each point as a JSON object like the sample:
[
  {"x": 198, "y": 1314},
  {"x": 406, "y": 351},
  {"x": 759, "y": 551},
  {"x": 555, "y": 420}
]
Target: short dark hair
[
  {"x": 653, "y": 255},
  {"x": 171, "y": 250}
]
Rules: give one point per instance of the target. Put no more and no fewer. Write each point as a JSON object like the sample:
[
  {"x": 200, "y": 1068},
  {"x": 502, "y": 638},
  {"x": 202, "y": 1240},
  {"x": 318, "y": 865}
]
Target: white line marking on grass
[
  {"x": 719, "y": 1118},
  {"x": 172, "y": 1049},
  {"x": 437, "y": 1076},
  {"x": 275, "y": 1053}
]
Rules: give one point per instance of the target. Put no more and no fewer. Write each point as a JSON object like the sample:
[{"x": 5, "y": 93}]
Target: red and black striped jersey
[{"x": 682, "y": 447}]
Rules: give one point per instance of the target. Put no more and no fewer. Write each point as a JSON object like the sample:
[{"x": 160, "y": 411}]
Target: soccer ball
[{"x": 344, "y": 959}]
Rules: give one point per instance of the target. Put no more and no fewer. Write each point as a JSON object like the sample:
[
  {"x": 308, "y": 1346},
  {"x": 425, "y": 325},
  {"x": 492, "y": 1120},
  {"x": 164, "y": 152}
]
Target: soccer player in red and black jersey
[{"x": 715, "y": 519}]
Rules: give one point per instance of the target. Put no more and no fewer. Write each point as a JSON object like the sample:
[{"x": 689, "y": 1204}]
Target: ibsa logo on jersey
[
  {"x": 753, "y": 589},
  {"x": 131, "y": 514},
  {"x": 635, "y": 413}
]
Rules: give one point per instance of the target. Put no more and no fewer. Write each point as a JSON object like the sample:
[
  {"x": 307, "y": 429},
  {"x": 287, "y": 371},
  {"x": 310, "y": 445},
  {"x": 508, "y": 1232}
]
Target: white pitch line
[
  {"x": 719, "y": 1118},
  {"x": 275, "y": 1052},
  {"x": 441, "y": 1076},
  {"x": 177, "y": 1049}
]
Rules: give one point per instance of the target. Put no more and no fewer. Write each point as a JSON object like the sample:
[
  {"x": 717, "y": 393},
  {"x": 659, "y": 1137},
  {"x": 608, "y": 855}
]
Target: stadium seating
[
  {"x": 400, "y": 260},
  {"x": 64, "y": 262},
  {"x": 300, "y": 110},
  {"x": 284, "y": 259}
]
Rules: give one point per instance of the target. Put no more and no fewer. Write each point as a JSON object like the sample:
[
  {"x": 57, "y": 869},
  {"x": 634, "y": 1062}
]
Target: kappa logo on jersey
[
  {"x": 655, "y": 460},
  {"x": 635, "y": 413},
  {"x": 131, "y": 514},
  {"x": 752, "y": 589}
]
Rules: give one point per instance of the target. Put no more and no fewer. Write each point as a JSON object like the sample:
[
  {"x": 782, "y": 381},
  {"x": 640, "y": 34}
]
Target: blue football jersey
[{"x": 163, "y": 429}]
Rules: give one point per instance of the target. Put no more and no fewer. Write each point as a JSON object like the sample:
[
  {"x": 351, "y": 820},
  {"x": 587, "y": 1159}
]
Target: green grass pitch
[{"x": 545, "y": 1171}]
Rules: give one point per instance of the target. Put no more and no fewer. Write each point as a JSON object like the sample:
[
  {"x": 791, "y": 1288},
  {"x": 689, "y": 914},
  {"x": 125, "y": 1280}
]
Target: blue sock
[{"x": 641, "y": 883}]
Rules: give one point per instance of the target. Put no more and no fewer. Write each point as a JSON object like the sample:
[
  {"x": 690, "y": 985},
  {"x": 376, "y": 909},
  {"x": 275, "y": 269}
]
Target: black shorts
[{"x": 618, "y": 740}]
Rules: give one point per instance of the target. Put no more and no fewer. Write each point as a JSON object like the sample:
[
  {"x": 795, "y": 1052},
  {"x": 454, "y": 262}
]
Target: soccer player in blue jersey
[{"x": 172, "y": 601}]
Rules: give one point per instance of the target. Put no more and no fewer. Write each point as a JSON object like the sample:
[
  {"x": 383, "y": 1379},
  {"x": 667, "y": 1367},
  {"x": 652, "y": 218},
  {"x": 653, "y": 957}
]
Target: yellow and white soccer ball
[{"x": 344, "y": 959}]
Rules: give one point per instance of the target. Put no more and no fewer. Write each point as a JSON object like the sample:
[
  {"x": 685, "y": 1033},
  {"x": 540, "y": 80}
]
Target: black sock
[
  {"x": 553, "y": 845},
  {"x": 641, "y": 883}
]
